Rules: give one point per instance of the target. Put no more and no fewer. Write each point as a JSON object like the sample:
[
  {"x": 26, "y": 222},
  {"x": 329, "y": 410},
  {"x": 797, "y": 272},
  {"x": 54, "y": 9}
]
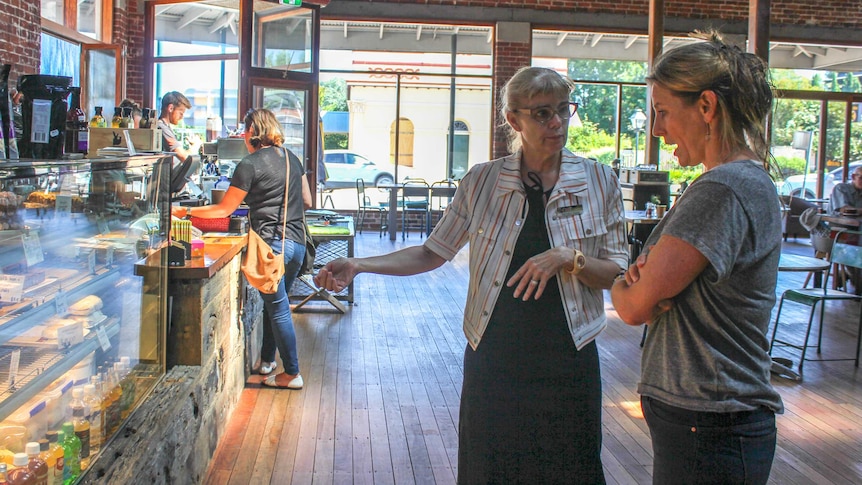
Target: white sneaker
[{"x": 267, "y": 367}]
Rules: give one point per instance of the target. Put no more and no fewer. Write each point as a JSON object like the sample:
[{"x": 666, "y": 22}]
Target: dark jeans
[{"x": 701, "y": 447}]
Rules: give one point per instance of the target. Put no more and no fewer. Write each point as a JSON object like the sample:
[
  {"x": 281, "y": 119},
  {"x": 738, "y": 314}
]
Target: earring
[{"x": 707, "y": 131}]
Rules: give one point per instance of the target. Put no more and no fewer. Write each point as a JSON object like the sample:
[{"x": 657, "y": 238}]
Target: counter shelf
[
  {"x": 39, "y": 367},
  {"x": 90, "y": 248}
]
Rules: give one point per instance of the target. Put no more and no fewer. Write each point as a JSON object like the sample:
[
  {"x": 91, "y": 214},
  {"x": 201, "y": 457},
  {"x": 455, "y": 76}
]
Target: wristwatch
[{"x": 579, "y": 262}]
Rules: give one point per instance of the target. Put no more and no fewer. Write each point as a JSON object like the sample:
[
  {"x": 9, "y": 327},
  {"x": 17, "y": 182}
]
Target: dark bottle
[
  {"x": 77, "y": 136},
  {"x": 127, "y": 121},
  {"x": 145, "y": 119}
]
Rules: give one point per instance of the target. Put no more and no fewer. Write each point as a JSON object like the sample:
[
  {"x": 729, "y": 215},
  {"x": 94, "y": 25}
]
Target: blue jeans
[
  {"x": 278, "y": 332},
  {"x": 700, "y": 447}
]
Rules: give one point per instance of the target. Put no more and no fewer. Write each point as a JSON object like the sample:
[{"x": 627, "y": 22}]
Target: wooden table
[
  {"x": 845, "y": 221},
  {"x": 640, "y": 227},
  {"x": 806, "y": 264}
]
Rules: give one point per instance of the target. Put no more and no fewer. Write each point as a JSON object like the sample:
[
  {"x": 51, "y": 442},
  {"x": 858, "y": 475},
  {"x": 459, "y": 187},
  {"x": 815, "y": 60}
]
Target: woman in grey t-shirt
[{"x": 706, "y": 283}]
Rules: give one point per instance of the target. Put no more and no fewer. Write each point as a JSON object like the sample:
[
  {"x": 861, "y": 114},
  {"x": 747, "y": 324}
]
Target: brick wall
[
  {"x": 509, "y": 57},
  {"x": 20, "y": 40},
  {"x": 129, "y": 33}
]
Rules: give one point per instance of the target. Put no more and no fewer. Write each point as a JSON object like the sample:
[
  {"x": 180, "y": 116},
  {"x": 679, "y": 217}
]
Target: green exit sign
[{"x": 295, "y": 3}]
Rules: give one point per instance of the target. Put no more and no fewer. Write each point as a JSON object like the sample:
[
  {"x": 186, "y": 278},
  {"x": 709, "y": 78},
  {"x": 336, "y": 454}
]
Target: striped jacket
[{"x": 585, "y": 211}]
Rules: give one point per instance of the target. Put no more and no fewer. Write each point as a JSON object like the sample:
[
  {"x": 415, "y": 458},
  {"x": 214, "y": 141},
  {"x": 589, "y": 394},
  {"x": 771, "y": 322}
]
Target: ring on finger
[{"x": 534, "y": 282}]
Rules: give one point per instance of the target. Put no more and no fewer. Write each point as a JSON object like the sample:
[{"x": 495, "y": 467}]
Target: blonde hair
[
  {"x": 527, "y": 83},
  {"x": 740, "y": 81},
  {"x": 266, "y": 128}
]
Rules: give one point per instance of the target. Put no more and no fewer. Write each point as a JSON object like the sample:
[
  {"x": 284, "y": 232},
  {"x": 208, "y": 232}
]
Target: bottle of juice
[
  {"x": 98, "y": 121},
  {"x": 115, "y": 409},
  {"x": 55, "y": 448},
  {"x": 118, "y": 117},
  {"x": 38, "y": 467},
  {"x": 49, "y": 459},
  {"x": 82, "y": 427},
  {"x": 3, "y": 474},
  {"x": 20, "y": 474},
  {"x": 71, "y": 454},
  {"x": 94, "y": 407}
]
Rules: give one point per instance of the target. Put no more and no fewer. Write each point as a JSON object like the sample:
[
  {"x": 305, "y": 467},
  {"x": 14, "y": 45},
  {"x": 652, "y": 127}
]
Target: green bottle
[{"x": 71, "y": 454}]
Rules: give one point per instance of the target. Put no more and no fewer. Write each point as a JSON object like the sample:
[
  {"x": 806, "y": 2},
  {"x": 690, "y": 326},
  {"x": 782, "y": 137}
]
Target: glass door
[{"x": 279, "y": 66}]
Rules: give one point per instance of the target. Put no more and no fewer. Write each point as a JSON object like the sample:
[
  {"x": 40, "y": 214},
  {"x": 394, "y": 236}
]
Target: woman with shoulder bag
[{"x": 259, "y": 180}]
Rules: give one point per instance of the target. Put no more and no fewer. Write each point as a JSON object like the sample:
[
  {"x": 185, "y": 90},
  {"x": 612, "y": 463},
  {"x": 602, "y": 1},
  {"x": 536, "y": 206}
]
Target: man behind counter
[{"x": 174, "y": 106}]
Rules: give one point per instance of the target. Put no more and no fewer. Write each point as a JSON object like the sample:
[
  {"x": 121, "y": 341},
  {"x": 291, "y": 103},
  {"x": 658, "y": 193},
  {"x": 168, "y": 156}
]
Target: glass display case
[{"x": 77, "y": 325}]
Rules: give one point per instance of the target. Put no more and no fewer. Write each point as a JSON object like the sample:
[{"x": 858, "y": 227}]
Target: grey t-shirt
[
  {"x": 845, "y": 194},
  {"x": 709, "y": 352}
]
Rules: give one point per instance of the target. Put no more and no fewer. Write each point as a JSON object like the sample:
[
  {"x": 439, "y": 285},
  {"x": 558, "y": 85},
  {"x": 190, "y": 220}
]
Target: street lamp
[{"x": 638, "y": 120}]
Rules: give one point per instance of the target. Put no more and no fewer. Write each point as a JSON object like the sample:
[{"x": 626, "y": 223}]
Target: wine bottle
[{"x": 76, "y": 125}]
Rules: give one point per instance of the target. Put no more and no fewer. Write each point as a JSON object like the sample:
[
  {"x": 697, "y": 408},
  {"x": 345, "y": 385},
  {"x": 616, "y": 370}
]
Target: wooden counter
[{"x": 218, "y": 251}]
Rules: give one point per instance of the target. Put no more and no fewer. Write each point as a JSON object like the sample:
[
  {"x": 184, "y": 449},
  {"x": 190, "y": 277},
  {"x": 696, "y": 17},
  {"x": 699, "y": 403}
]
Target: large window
[
  {"x": 196, "y": 53},
  {"x": 83, "y": 16},
  {"x": 376, "y": 73}
]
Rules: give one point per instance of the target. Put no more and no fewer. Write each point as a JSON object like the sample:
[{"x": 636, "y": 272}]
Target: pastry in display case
[{"x": 79, "y": 330}]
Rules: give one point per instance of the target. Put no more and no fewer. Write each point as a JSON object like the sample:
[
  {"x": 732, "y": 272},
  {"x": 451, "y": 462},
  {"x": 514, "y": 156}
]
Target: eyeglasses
[{"x": 544, "y": 114}]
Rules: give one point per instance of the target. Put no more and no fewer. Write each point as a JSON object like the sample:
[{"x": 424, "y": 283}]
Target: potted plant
[{"x": 660, "y": 208}]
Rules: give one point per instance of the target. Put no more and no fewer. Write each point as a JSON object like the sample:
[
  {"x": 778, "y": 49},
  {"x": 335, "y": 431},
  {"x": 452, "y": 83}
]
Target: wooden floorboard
[{"x": 383, "y": 383}]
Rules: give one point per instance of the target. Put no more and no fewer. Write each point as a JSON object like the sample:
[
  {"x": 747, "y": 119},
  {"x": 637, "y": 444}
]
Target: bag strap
[{"x": 286, "y": 186}]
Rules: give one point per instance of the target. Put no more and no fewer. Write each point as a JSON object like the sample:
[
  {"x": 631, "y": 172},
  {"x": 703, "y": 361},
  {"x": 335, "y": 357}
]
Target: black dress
[{"x": 530, "y": 403}]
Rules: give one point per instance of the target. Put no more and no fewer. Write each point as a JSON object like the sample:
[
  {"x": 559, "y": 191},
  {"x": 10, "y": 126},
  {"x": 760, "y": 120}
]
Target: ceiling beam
[
  {"x": 561, "y": 37},
  {"x": 190, "y": 16}
]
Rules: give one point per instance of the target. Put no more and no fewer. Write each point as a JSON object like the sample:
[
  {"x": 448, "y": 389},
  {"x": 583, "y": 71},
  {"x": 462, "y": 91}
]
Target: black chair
[
  {"x": 415, "y": 199},
  {"x": 846, "y": 251},
  {"x": 442, "y": 193},
  {"x": 364, "y": 205}
]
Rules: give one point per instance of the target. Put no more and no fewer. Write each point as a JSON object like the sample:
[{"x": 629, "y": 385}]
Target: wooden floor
[{"x": 383, "y": 382}]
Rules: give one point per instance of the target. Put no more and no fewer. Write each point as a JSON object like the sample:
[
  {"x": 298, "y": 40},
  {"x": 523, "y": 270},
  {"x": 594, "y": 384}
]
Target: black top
[{"x": 262, "y": 175}]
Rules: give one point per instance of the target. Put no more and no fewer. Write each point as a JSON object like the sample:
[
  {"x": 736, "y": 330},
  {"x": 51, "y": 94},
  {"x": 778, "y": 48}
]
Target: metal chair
[
  {"x": 846, "y": 251},
  {"x": 442, "y": 192},
  {"x": 364, "y": 205},
  {"x": 415, "y": 199}
]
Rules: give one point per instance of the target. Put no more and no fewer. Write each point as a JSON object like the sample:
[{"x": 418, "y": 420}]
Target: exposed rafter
[
  {"x": 596, "y": 39},
  {"x": 224, "y": 21},
  {"x": 630, "y": 40},
  {"x": 561, "y": 38},
  {"x": 190, "y": 16},
  {"x": 418, "y": 32},
  {"x": 801, "y": 50}
]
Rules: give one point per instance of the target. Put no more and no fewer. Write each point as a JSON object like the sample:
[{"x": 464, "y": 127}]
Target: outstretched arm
[{"x": 338, "y": 274}]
